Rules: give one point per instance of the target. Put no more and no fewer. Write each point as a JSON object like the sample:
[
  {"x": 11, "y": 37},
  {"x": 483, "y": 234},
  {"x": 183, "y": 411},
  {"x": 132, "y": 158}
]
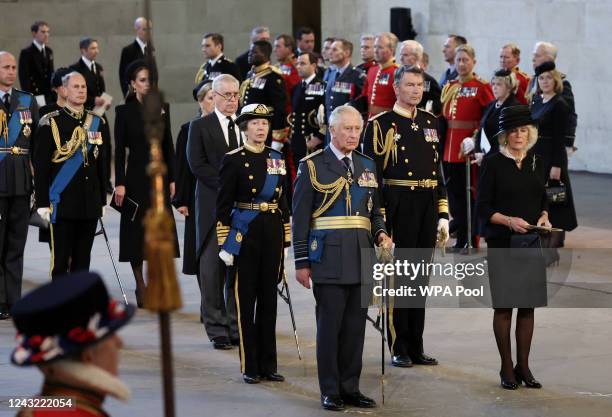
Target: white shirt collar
[
  {"x": 338, "y": 153},
  {"x": 309, "y": 79},
  {"x": 86, "y": 61},
  {"x": 222, "y": 117},
  {"x": 38, "y": 45},
  {"x": 215, "y": 59},
  {"x": 3, "y": 93},
  {"x": 341, "y": 70},
  {"x": 141, "y": 44}
]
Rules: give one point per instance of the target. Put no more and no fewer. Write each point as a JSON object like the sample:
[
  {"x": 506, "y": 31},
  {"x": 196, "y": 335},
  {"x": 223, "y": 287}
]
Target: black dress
[
  {"x": 129, "y": 134},
  {"x": 185, "y": 196},
  {"x": 489, "y": 123},
  {"x": 552, "y": 118},
  {"x": 518, "y": 192}
]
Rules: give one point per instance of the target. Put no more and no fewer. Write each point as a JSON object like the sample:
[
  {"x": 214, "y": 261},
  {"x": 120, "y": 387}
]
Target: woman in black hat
[
  {"x": 511, "y": 197},
  {"x": 67, "y": 328},
  {"x": 132, "y": 189},
  {"x": 253, "y": 230},
  {"x": 552, "y": 113}
]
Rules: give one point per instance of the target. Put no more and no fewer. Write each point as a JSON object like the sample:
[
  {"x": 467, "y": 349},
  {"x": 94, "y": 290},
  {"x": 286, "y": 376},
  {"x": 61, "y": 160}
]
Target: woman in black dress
[
  {"x": 552, "y": 113},
  {"x": 511, "y": 197},
  {"x": 184, "y": 199},
  {"x": 133, "y": 182}
]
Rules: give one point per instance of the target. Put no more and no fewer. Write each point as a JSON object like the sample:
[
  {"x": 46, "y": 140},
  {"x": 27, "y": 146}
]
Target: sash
[
  {"x": 241, "y": 218},
  {"x": 14, "y": 125},
  {"x": 67, "y": 172}
]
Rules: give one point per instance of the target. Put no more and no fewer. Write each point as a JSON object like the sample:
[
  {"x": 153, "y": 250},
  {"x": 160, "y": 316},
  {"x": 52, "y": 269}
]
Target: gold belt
[
  {"x": 257, "y": 206},
  {"x": 15, "y": 150},
  {"x": 412, "y": 183},
  {"x": 341, "y": 222}
]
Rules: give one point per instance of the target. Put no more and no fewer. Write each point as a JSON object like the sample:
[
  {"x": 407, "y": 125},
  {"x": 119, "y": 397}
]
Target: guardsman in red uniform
[
  {"x": 509, "y": 58},
  {"x": 366, "y": 48},
  {"x": 284, "y": 49},
  {"x": 378, "y": 87},
  {"x": 463, "y": 101}
]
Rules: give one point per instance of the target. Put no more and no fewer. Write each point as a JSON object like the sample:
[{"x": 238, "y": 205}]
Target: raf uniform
[
  {"x": 405, "y": 148},
  {"x": 253, "y": 226},
  {"x": 18, "y": 117},
  {"x": 70, "y": 179},
  {"x": 331, "y": 237},
  {"x": 215, "y": 67},
  {"x": 35, "y": 71},
  {"x": 378, "y": 89}
]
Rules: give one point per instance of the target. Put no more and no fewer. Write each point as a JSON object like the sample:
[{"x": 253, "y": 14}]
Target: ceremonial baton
[
  {"x": 286, "y": 296},
  {"x": 110, "y": 252}
]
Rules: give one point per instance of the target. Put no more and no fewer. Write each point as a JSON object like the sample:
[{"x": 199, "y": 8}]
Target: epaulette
[
  {"x": 362, "y": 154},
  {"x": 273, "y": 150},
  {"x": 315, "y": 153},
  {"x": 227, "y": 59},
  {"x": 523, "y": 73},
  {"x": 481, "y": 80},
  {"x": 95, "y": 115},
  {"x": 235, "y": 150},
  {"x": 46, "y": 119},
  {"x": 276, "y": 70},
  {"x": 23, "y": 92},
  {"x": 376, "y": 116},
  {"x": 428, "y": 112}
]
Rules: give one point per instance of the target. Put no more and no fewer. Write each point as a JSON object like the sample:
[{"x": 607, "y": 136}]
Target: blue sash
[
  {"x": 67, "y": 172},
  {"x": 14, "y": 125},
  {"x": 241, "y": 218}
]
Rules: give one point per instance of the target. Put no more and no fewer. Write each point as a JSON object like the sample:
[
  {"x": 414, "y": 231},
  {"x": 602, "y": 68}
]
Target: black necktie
[
  {"x": 7, "y": 101},
  {"x": 347, "y": 164},
  {"x": 44, "y": 52},
  {"x": 93, "y": 67},
  {"x": 146, "y": 50},
  {"x": 231, "y": 134}
]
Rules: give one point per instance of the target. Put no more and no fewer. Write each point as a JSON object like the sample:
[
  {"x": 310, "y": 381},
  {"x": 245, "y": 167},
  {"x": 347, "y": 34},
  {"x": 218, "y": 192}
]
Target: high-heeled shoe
[
  {"x": 529, "y": 382},
  {"x": 506, "y": 384}
]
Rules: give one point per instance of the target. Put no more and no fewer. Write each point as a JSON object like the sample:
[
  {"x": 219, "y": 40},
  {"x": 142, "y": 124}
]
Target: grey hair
[
  {"x": 415, "y": 46},
  {"x": 366, "y": 37},
  {"x": 407, "y": 69},
  {"x": 339, "y": 111},
  {"x": 532, "y": 137},
  {"x": 510, "y": 80},
  {"x": 223, "y": 78},
  {"x": 66, "y": 78},
  {"x": 549, "y": 49},
  {"x": 258, "y": 30},
  {"x": 391, "y": 38}
]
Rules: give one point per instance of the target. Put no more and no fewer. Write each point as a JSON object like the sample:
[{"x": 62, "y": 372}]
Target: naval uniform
[
  {"x": 253, "y": 225},
  {"x": 405, "y": 148},
  {"x": 214, "y": 67},
  {"x": 17, "y": 123},
  {"x": 70, "y": 179}
]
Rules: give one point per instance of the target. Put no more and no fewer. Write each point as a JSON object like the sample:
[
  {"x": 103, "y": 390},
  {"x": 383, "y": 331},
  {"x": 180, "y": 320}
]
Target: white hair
[
  {"x": 548, "y": 48},
  {"x": 66, "y": 78},
  {"x": 415, "y": 47},
  {"x": 223, "y": 78},
  {"x": 345, "y": 109}
]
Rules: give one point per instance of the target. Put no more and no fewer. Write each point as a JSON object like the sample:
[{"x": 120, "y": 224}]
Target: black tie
[
  {"x": 7, "y": 101},
  {"x": 347, "y": 164},
  {"x": 146, "y": 51},
  {"x": 93, "y": 67},
  {"x": 231, "y": 134},
  {"x": 44, "y": 52}
]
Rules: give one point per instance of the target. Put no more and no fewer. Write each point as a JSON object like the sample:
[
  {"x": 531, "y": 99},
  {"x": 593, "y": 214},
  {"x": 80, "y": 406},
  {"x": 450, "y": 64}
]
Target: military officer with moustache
[
  {"x": 404, "y": 145},
  {"x": 18, "y": 119},
  {"x": 70, "y": 177},
  {"x": 336, "y": 220}
]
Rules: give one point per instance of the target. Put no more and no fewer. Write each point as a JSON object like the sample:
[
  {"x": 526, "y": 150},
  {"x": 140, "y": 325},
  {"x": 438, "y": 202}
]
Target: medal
[
  {"x": 96, "y": 152},
  {"x": 414, "y": 126},
  {"x": 27, "y": 131},
  {"x": 370, "y": 204}
]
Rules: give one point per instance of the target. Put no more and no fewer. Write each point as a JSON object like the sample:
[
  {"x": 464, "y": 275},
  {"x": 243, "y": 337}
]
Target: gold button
[
  {"x": 433, "y": 172},
  {"x": 403, "y": 148},
  {"x": 412, "y": 188},
  {"x": 250, "y": 177},
  {"x": 254, "y": 190},
  {"x": 277, "y": 189},
  {"x": 433, "y": 146},
  {"x": 410, "y": 174},
  {"x": 274, "y": 201},
  {"x": 406, "y": 160},
  {"x": 264, "y": 207},
  {"x": 242, "y": 153},
  {"x": 246, "y": 164}
]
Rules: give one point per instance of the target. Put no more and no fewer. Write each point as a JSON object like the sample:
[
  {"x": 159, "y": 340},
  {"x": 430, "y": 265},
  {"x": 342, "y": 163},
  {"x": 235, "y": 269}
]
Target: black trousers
[
  {"x": 258, "y": 268},
  {"x": 14, "y": 219},
  {"x": 340, "y": 333},
  {"x": 457, "y": 200},
  {"x": 414, "y": 224},
  {"x": 71, "y": 243}
]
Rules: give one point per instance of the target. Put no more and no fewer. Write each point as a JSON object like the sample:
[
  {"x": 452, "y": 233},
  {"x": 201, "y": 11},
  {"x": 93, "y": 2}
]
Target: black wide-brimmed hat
[
  {"x": 544, "y": 67},
  {"x": 58, "y": 74},
  {"x": 198, "y": 87},
  {"x": 254, "y": 111},
  {"x": 514, "y": 116},
  {"x": 63, "y": 317}
]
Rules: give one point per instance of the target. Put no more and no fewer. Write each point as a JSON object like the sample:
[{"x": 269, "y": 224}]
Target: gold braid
[
  {"x": 243, "y": 88},
  {"x": 386, "y": 146},
  {"x": 65, "y": 151},
  {"x": 4, "y": 126},
  {"x": 335, "y": 188}
]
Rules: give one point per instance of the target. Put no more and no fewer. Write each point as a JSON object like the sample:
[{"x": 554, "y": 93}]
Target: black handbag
[{"x": 556, "y": 193}]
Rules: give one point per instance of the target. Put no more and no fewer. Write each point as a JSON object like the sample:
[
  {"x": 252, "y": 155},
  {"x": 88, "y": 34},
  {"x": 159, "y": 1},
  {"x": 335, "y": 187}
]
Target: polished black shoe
[
  {"x": 332, "y": 402},
  {"x": 250, "y": 379},
  {"x": 357, "y": 399},
  {"x": 530, "y": 382},
  {"x": 401, "y": 361},
  {"x": 235, "y": 342},
  {"x": 507, "y": 384},
  {"x": 273, "y": 377},
  {"x": 423, "y": 359},
  {"x": 221, "y": 343},
  {"x": 4, "y": 315}
]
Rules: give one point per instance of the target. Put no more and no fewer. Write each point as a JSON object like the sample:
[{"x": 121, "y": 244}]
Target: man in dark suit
[
  {"x": 216, "y": 63},
  {"x": 94, "y": 77},
  {"x": 36, "y": 64},
  {"x": 210, "y": 138},
  {"x": 18, "y": 119},
  {"x": 259, "y": 33},
  {"x": 331, "y": 240},
  {"x": 139, "y": 49},
  {"x": 452, "y": 42}
]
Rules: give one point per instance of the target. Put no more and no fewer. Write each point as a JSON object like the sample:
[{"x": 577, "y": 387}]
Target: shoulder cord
[{"x": 335, "y": 188}]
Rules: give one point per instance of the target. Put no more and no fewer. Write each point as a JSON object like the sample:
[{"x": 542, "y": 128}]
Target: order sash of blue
[
  {"x": 67, "y": 171},
  {"x": 241, "y": 218},
  {"x": 14, "y": 125}
]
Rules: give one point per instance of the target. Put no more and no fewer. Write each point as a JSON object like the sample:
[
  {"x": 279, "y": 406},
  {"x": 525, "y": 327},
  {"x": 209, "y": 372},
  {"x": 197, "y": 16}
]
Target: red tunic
[
  {"x": 523, "y": 80},
  {"x": 378, "y": 88},
  {"x": 292, "y": 79},
  {"x": 463, "y": 104}
]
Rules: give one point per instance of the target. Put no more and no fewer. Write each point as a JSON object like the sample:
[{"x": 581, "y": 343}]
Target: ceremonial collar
[
  {"x": 309, "y": 79},
  {"x": 75, "y": 114},
  {"x": 216, "y": 59},
  {"x": 387, "y": 64},
  {"x": 261, "y": 67},
  {"x": 402, "y": 111},
  {"x": 466, "y": 79},
  {"x": 254, "y": 147}
]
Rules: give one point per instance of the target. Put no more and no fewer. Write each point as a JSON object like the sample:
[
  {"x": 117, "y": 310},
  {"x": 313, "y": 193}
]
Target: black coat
[
  {"x": 431, "y": 92},
  {"x": 35, "y": 71},
  {"x": 185, "y": 197},
  {"x": 129, "y": 134},
  {"x": 305, "y": 104},
  {"x": 244, "y": 67},
  {"x": 129, "y": 54},
  {"x": 490, "y": 122}
]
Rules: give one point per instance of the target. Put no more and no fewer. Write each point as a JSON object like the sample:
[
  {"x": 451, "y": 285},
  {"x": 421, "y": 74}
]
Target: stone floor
[{"x": 571, "y": 354}]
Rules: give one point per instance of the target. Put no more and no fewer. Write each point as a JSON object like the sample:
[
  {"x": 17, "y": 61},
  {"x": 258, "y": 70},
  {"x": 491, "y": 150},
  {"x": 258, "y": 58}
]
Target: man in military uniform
[
  {"x": 509, "y": 59},
  {"x": 217, "y": 63},
  {"x": 265, "y": 85},
  {"x": 411, "y": 53},
  {"x": 36, "y": 64},
  {"x": 404, "y": 145},
  {"x": 70, "y": 177},
  {"x": 366, "y": 48},
  {"x": 259, "y": 33},
  {"x": 284, "y": 49},
  {"x": 331, "y": 238},
  {"x": 18, "y": 118}
]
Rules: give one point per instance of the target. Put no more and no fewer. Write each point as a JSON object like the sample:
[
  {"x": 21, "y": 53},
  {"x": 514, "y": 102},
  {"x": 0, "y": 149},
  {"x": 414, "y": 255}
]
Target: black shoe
[
  {"x": 251, "y": 379},
  {"x": 235, "y": 342},
  {"x": 401, "y": 361},
  {"x": 139, "y": 298},
  {"x": 507, "y": 384},
  {"x": 221, "y": 343},
  {"x": 4, "y": 315},
  {"x": 358, "y": 400},
  {"x": 332, "y": 402},
  {"x": 529, "y": 382},
  {"x": 274, "y": 377},
  {"x": 423, "y": 359}
]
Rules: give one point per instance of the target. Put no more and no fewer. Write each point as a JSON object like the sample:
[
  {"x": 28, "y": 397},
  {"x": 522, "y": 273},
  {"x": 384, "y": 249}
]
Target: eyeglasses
[{"x": 229, "y": 96}]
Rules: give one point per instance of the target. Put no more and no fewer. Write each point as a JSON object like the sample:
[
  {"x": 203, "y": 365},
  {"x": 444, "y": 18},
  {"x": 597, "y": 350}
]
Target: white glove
[
  {"x": 103, "y": 212},
  {"x": 478, "y": 158},
  {"x": 286, "y": 253},
  {"x": 277, "y": 146},
  {"x": 443, "y": 230},
  {"x": 226, "y": 257},
  {"x": 44, "y": 213},
  {"x": 467, "y": 145}
]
